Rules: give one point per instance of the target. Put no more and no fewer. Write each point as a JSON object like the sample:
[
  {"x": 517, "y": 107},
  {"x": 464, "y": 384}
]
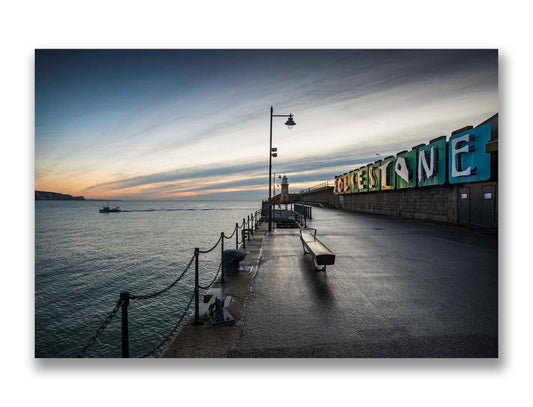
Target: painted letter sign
[
  {"x": 425, "y": 165},
  {"x": 388, "y": 175},
  {"x": 374, "y": 176},
  {"x": 468, "y": 159},
  {"x": 405, "y": 168},
  {"x": 432, "y": 163}
]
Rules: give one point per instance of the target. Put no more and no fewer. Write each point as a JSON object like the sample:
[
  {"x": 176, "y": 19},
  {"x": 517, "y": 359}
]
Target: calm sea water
[{"x": 84, "y": 259}]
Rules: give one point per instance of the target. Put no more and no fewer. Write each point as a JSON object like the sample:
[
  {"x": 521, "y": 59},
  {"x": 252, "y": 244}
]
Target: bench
[{"x": 322, "y": 256}]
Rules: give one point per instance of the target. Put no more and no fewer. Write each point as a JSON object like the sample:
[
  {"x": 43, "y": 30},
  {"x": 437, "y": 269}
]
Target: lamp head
[{"x": 290, "y": 122}]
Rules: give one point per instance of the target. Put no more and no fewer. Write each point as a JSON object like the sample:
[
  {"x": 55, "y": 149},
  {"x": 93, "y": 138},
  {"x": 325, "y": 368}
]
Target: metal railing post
[
  {"x": 243, "y": 233},
  {"x": 248, "y": 228},
  {"x": 125, "y": 297},
  {"x": 196, "y": 284},
  {"x": 236, "y": 236},
  {"x": 253, "y": 225},
  {"x": 222, "y": 257}
]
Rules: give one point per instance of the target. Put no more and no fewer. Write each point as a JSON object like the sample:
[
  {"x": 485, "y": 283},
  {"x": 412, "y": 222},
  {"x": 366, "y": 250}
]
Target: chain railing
[
  {"x": 101, "y": 329},
  {"x": 208, "y": 286},
  {"x": 155, "y": 294},
  {"x": 167, "y": 338},
  {"x": 126, "y": 297}
]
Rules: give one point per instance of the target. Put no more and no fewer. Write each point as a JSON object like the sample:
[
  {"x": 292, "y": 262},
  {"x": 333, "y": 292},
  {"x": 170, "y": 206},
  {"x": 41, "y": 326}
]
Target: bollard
[
  {"x": 222, "y": 257},
  {"x": 236, "y": 236},
  {"x": 248, "y": 228},
  {"x": 196, "y": 283},
  {"x": 125, "y": 297}
]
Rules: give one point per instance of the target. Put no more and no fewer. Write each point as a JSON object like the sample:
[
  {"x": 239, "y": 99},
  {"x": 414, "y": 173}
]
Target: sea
[{"x": 84, "y": 260}]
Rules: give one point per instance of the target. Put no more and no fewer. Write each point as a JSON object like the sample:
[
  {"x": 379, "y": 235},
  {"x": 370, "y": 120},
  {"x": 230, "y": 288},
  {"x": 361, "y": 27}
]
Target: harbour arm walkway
[{"x": 399, "y": 288}]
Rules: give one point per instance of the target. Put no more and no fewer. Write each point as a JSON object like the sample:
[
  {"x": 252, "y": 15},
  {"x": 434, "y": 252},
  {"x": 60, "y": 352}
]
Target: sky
[{"x": 194, "y": 124}]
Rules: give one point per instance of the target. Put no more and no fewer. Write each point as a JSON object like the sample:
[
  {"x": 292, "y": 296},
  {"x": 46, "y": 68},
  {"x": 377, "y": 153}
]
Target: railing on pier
[
  {"x": 246, "y": 228},
  {"x": 315, "y": 187},
  {"x": 304, "y": 210}
]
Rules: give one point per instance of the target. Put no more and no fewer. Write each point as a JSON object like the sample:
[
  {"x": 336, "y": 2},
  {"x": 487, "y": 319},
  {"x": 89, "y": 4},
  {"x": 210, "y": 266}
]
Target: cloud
[{"x": 189, "y": 122}]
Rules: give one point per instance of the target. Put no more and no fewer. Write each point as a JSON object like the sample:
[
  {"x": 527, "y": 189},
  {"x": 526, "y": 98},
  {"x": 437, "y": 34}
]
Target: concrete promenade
[
  {"x": 203, "y": 340},
  {"x": 399, "y": 288}
]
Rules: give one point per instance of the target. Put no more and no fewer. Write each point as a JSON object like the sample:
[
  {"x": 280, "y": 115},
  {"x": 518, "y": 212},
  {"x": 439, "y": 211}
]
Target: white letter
[
  {"x": 371, "y": 178},
  {"x": 401, "y": 168},
  {"x": 422, "y": 161},
  {"x": 384, "y": 168},
  {"x": 455, "y": 152}
]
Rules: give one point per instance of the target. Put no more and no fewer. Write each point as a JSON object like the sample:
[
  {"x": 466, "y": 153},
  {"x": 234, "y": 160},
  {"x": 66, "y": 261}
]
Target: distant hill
[{"x": 43, "y": 195}]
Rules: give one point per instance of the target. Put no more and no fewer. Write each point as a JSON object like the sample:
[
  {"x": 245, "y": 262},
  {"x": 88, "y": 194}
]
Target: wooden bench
[{"x": 322, "y": 256}]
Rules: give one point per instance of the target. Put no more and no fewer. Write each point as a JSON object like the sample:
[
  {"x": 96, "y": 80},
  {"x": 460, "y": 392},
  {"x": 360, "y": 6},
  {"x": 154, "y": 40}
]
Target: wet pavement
[{"x": 399, "y": 288}]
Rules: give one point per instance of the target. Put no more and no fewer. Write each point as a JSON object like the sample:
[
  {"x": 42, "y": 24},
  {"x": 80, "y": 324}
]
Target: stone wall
[
  {"x": 434, "y": 203},
  {"x": 437, "y": 203}
]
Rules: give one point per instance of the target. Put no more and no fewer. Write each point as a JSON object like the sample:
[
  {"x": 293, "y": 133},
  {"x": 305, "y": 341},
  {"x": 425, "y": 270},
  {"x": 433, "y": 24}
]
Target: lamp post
[
  {"x": 274, "y": 182},
  {"x": 275, "y": 186},
  {"x": 272, "y": 152}
]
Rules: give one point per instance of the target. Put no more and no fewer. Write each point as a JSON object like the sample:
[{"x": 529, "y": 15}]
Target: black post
[
  {"x": 236, "y": 236},
  {"x": 125, "y": 297},
  {"x": 270, "y": 175},
  {"x": 248, "y": 227},
  {"x": 196, "y": 283},
  {"x": 243, "y": 233},
  {"x": 222, "y": 256},
  {"x": 252, "y": 218}
]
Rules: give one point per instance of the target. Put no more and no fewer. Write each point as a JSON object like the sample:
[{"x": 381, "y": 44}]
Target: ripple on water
[{"x": 84, "y": 259}]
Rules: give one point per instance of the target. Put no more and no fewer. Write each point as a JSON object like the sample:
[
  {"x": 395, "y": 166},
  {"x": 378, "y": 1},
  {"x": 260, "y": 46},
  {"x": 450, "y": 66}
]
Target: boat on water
[{"x": 107, "y": 209}]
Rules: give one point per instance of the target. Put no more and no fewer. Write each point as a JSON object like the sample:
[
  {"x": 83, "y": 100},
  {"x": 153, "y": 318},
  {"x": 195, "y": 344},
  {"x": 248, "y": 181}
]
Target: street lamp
[{"x": 272, "y": 152}]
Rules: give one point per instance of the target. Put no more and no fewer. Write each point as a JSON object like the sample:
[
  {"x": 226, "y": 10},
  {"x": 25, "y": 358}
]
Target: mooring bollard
[
  {"x": 196, "y": 283},
  {"x": 222, "y": 257},
  {"x": 125, "y": 299}
]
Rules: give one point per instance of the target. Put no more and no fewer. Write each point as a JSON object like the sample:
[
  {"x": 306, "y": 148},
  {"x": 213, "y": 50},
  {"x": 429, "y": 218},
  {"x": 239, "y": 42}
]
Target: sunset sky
[{"x": 194, "y": 124}]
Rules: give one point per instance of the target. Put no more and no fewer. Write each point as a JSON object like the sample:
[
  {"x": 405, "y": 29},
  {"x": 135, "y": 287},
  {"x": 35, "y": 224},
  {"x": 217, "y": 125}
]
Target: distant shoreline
[{"x": 56, "y": 196}]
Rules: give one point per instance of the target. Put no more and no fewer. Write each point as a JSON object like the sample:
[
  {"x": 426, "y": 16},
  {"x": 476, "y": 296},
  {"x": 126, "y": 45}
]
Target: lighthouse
[{"x": 284, "y": 198}]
